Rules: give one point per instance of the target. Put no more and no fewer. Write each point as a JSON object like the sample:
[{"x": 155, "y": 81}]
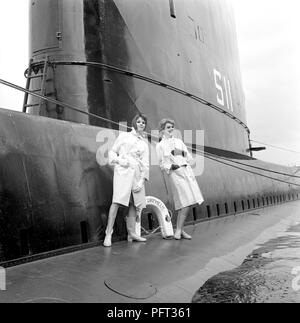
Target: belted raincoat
[
  {"x": 185, "y": 189},
  {"x": 132, "y": 148}
]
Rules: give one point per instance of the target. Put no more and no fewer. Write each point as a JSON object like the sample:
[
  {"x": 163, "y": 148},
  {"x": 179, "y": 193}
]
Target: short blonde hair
[{"x": 163, "y": 122}]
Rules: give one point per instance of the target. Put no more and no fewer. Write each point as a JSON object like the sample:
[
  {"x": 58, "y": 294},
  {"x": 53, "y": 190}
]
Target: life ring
[{"x": 162, "y": 214}]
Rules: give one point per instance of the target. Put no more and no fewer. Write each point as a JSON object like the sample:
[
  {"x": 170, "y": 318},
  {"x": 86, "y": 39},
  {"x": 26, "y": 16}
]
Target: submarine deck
[{"x": 158, "y": 271}]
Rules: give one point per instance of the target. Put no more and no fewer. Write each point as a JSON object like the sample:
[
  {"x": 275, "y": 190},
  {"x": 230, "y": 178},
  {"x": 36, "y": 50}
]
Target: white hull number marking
[{"x": 223, "y": 85}]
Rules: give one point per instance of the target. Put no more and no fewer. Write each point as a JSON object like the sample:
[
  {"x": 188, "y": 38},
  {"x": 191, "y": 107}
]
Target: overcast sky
[{"x": 268, "y": 38}]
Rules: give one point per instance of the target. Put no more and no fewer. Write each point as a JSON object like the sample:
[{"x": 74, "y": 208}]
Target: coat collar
[
  {"x": 166, "y": 138},
  {"x": 134, "y": 132}
]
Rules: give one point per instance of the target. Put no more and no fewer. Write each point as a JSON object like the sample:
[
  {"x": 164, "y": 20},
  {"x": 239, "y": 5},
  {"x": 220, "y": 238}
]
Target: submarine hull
[
  {"x": 54, "y": 194},
  {"x": 111, "y": 60}
]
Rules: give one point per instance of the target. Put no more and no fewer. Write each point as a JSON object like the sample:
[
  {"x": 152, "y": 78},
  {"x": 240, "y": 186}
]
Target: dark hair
[{"x": 135, "y": 119}]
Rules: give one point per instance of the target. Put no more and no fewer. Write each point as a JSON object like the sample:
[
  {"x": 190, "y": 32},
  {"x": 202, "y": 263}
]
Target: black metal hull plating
[{"x": 54, "y": 194}]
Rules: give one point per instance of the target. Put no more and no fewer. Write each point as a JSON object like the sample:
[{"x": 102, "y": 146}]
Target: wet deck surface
[
  {"x": 159, "y": 270},
  {"x": 270, "y": 274}
]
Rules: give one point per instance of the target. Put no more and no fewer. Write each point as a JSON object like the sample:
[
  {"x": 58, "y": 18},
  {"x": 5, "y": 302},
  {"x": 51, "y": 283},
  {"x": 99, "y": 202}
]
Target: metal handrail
[{"x": 153, "y": 81}]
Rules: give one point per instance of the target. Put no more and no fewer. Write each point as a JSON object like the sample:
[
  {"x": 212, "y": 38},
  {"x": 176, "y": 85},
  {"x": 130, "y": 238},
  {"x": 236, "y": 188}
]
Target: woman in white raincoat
[
  {"x": 130, "y": 157},
  {"x": 175, "y": 160}
]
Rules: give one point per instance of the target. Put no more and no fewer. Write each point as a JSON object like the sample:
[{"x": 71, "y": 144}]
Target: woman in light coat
[
  {"x": 174, "y": 160},
  {"x": 130, "y": 157}
]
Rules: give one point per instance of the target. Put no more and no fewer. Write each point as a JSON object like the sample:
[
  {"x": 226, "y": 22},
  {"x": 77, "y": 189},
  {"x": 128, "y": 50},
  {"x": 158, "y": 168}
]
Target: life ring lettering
[{"x": 162, "y": 214}]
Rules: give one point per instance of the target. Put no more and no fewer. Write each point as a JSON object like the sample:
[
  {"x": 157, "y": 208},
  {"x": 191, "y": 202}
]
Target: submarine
[{"x": 95, "y": 64}]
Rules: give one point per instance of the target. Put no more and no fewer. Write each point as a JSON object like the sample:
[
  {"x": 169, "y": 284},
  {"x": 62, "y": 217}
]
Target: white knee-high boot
[
  {"x": 109, "y": 231},
  {"x": 132, "y": 236}
]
